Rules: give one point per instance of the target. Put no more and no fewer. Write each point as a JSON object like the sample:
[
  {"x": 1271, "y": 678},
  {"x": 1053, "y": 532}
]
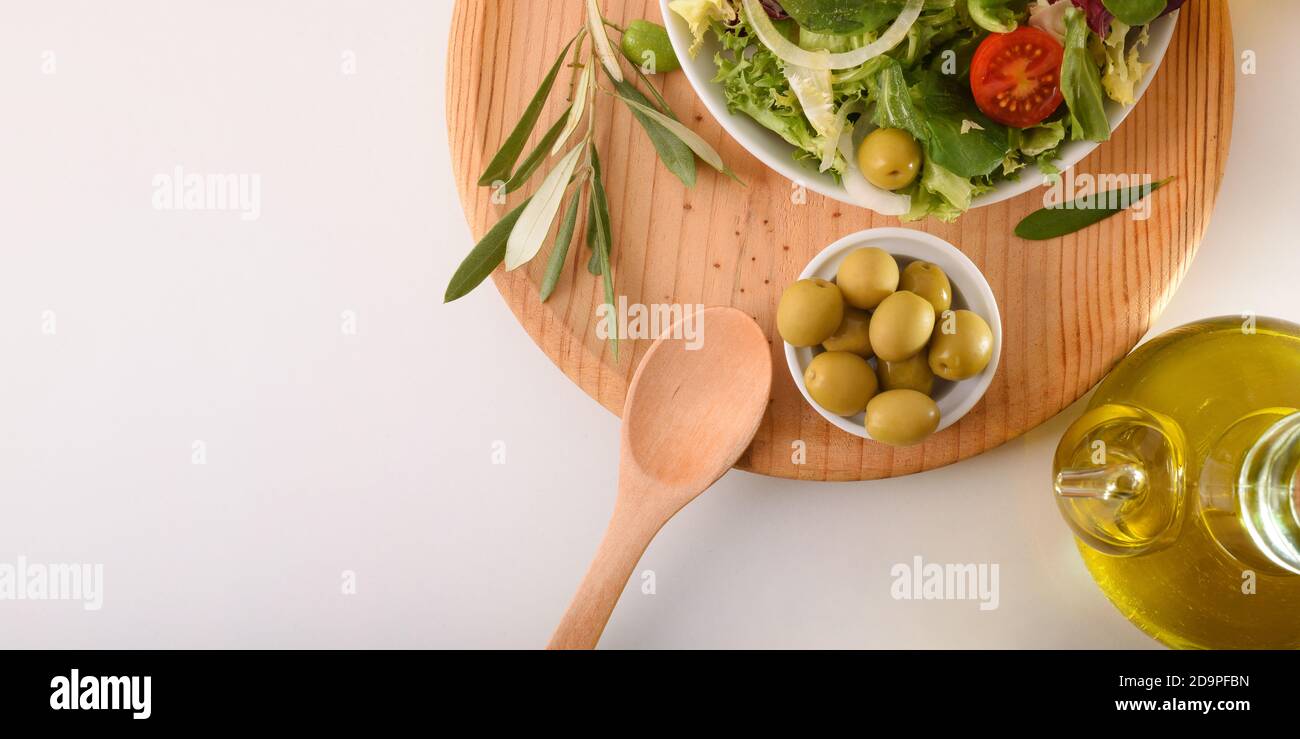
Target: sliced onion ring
[
  {"x": 833, "y": 136},
  {"x": 792, "y": 54}
]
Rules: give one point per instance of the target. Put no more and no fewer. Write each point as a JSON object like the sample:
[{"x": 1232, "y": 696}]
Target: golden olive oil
[{"x": 1181, "y": 482}]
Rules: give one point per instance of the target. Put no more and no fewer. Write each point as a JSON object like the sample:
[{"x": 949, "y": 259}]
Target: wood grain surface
[{"x": 1071, "y": 308}]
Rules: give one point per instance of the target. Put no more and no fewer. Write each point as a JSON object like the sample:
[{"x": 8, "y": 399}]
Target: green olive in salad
[{"x": 890, "y": 158}]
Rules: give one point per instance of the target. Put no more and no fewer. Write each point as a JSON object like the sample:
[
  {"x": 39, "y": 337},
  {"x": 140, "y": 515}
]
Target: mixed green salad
[{"x": 919, "y": 106}]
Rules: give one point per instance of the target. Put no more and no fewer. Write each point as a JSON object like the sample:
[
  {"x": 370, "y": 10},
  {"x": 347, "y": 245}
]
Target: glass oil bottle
[{"x": 1182, "y": 485}]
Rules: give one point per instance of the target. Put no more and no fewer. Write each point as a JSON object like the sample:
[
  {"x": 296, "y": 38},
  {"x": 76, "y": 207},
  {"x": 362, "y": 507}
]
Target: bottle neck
[{"x": 1268, "y": 493}]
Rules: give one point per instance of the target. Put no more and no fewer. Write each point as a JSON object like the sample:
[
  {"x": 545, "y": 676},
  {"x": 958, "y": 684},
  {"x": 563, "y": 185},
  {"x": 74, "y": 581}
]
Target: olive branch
[{"x": 576, "y": 172}]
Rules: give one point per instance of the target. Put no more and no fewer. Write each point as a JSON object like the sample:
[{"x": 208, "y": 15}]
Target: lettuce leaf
[
  {"x": 700, "y": 15},
  {"x": 958, "y": 191},
  {"x": 942, "y": 194},
  {"x": 958, "y": 135},
  {"x": 1135, "y": 12},
  {"x": 992, "y": 15},
  {"x": 1081, "y": 83},
  {"x": 1038, "y": 140},
  {"x": 937, "y": 27},
  {"x": 816, "y": 97},
  {"x": 842, "y": 16},
  {"x": 895, "y": 107},
  {"x": 1124, "y": 66},
  {"x": 754, "y": 83}
]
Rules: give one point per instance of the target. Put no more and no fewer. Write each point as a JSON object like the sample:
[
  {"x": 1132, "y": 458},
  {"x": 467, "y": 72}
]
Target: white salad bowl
[
  {"x": 778, "y": 154},
  {"x": 970, "y": 291}
]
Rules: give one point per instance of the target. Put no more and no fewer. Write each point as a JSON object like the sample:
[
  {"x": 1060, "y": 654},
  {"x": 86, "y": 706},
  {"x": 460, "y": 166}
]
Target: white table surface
[{"x": 372, "y": 453}]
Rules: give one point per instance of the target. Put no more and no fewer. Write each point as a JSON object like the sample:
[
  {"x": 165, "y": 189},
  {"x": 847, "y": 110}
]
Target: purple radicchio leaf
[
  {"x": 774, "y": 10},
  {"x": 1099, "y": 18}
]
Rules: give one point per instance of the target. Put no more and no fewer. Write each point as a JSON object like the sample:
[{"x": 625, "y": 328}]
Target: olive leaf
[
  {"x": 593, "y": 236},
  {"x": 594, "y": 233},
  {"x": 600, "y": 39},
  {"x": 555, "y": 265},
  {"x": 1051, "y": 223},
  {"x": 484, "y": 257},
  {"x": 499, "y": 169},
  {"x": 698, "y": 145},
  {"x": 538, "y": 155},
  {"x": 528, "y": 234},
  {"x": 673, "y": 152},
  {"x": 577, "y": 109},
  {"x": 662, "y": 105},
  {"x": 603, "y": 243}
]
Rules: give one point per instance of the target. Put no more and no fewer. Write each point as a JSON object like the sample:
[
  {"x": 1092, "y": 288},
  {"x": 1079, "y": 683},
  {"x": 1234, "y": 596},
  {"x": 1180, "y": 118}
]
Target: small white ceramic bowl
[
  {"x": 969, "y": 291},
  {"x": 777, "y": 154}
]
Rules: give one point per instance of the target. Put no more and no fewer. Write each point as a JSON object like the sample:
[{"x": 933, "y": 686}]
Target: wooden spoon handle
[{"x": 630, "y": 532}]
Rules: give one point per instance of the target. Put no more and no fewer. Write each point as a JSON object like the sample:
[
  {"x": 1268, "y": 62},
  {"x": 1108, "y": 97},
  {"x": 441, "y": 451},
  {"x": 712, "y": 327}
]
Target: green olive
[
  {"x": 809, "y": 312},
  {"x": 901, "y": 326},
  {"x": 853, "y": 335},
  {"x": 909, "y": 374},
  {"x": 840, "y": 382},
  {"x": 646, "y": 45},
  {"x": 962, "y": 345},
  {"x": 902, "y": 417},
  {"x": 890, "y": 158},
  {"x": 867, "y": 276},
  {"x": 928, "y": 281}
]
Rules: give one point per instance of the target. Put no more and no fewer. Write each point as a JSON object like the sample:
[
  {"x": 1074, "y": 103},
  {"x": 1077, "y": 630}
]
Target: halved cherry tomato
[{"x": 1016, "y": 77}]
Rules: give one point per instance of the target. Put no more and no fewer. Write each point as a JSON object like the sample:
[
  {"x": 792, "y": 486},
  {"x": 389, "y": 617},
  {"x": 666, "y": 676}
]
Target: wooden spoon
[{"x": 689, "y": 416}]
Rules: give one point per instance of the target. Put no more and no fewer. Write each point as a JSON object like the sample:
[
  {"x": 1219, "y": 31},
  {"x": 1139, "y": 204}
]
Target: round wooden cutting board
[{"x": 1071, "y": 308}]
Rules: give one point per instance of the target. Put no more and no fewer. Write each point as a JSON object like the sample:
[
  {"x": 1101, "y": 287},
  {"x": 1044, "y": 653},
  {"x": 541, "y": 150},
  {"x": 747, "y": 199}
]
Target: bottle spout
[
  {"x": 1118, "y": 479},
  {"x": 1122, "y": 481}
]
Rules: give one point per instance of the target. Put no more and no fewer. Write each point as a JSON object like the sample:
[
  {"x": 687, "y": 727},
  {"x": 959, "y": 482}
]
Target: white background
[{"x": 371, "y": 453}]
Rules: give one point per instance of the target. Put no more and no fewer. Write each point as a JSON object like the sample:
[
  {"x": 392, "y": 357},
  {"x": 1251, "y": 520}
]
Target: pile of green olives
[{"x": 901, "y": 320}]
